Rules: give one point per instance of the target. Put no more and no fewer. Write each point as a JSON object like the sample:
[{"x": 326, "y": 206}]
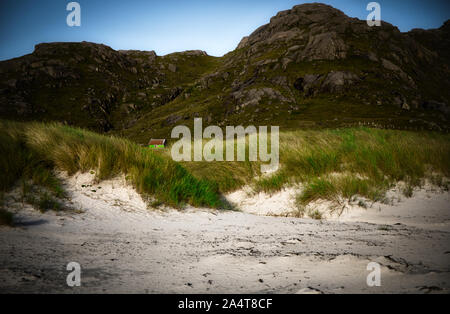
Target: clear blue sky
[{"x": 166, "y": 26}]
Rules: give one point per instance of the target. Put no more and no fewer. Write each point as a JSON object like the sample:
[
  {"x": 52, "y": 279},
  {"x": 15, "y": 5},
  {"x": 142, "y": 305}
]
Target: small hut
[{"x": 157, "y": 143}]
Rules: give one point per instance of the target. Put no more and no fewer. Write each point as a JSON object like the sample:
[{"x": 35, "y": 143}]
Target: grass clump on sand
[
  {"x": 342, "y": 163},
  {"x": 31, "y": 151},
  {"x": 363, "y": 161}
]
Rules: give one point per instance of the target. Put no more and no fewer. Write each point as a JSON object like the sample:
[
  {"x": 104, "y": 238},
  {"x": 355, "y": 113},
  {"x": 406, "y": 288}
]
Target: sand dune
[{"x": 123, "y": 247}]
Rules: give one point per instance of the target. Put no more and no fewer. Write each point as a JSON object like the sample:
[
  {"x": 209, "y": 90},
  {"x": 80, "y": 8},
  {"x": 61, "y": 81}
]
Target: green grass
[
  {"x": 350, "y": 164},
  {"x": 41, "y": 197},
  {"x": 328, "y": 164},
  {"x": 32, "y": 151},
  {"x": 342, "y": 163},
  {"x": 370, "y": 156},
  {"x": 317, "y": 189}
]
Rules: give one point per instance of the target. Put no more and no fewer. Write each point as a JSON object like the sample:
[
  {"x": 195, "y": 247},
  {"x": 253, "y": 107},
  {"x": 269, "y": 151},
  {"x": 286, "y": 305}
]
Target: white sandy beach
[{"x": 124, "y": 247}]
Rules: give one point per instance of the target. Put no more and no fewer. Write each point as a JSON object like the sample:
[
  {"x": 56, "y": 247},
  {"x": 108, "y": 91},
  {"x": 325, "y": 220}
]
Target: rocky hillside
[
  {"x": 92, "y": 85},
  {"x": 311, "y": 66}
]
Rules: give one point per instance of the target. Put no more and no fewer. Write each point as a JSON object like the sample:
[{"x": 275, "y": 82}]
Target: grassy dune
[
  {"x": 329, "y": 164},
  {"x": 348, "y": 161},
  {"x": 30, "y": 152},
  {"x": 359, "y": 161},
  {"x": 341, "y": 164}
]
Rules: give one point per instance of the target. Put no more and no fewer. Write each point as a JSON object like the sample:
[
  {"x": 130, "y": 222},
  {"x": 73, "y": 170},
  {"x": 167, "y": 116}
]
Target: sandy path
[{"x": 122, "y": 247}]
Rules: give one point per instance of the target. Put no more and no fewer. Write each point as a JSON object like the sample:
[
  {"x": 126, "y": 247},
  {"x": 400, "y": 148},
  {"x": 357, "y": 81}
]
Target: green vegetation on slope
[
  {"x": 340, "y": 164},
  {"x": 349, "y": 161},
  {"x": 32, "y": 151},
  {"x": 328, "y": 164}
]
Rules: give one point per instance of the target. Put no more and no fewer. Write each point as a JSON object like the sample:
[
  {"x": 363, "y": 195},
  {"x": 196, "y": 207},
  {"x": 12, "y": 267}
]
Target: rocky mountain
[{"x": 311, "y": 66}]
